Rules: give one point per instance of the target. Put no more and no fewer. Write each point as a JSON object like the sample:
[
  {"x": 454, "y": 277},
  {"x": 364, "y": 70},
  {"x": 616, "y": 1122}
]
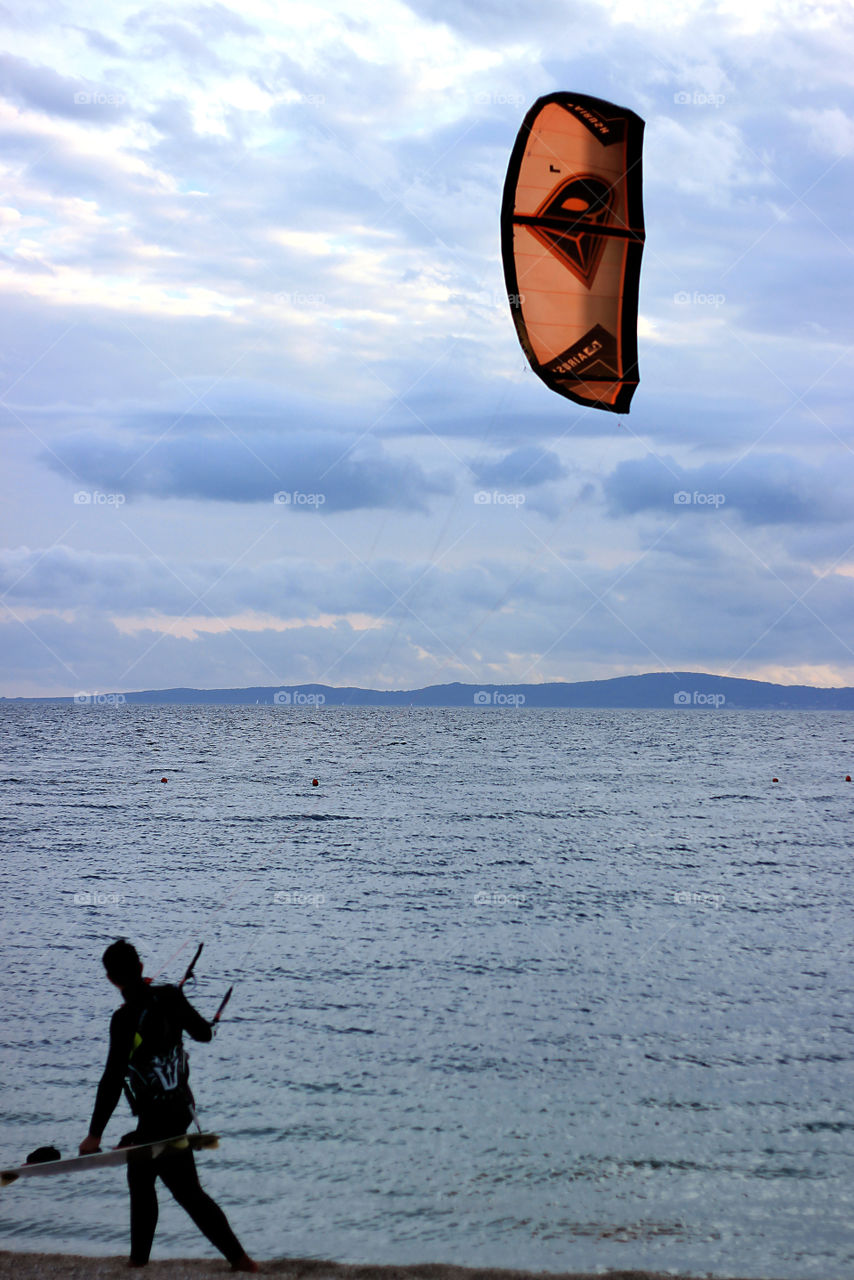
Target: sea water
[{"x": 562, "y": 990}]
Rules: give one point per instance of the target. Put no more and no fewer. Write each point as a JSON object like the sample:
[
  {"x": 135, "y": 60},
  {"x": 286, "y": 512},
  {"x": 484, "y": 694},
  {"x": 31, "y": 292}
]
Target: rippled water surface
[{"x": 549, "y": 989}]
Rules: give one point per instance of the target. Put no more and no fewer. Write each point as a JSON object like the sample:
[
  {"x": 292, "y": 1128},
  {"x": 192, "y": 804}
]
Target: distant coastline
[{"x": 676, "y": 691}]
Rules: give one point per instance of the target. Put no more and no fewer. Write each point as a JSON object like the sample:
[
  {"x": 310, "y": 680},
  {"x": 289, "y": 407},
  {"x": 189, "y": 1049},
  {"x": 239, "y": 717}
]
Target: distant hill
[{"x": 679, "y": 690}]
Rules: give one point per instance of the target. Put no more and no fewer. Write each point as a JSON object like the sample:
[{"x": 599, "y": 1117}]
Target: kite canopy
[{"x": 572, "y": 236}]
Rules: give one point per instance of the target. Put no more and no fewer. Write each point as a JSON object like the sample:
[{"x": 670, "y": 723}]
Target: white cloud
[{"x": 830, "y": 129}]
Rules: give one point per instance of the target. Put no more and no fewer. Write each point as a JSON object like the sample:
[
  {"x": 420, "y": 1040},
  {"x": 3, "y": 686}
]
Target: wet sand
[{"x": 64, "y": 1266}]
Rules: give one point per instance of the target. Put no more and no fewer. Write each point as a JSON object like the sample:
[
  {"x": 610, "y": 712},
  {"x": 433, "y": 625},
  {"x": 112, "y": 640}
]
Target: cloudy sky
[{"x": 251, "y": 252}]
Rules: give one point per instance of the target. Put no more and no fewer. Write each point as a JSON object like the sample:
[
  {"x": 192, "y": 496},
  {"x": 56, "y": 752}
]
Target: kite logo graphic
[
  {"x": 581, "y": 198},
  {"x": 593, "y": 356},
  {"x": 606, "y": 129}
]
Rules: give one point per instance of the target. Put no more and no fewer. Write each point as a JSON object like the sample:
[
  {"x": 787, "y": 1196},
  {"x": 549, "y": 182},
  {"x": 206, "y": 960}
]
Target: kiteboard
[{"x": 117, "y": 1155}]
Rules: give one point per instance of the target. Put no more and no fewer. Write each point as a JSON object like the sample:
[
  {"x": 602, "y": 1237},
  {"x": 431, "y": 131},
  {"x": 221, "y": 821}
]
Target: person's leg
[
  {"x": 143, "y": 1209},
  {"x": 178, "y": 1171}
]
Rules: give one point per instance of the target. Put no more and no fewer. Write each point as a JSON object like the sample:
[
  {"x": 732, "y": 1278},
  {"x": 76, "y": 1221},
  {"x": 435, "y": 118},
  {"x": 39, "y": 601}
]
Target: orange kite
[{"x": 572, "y": 235}]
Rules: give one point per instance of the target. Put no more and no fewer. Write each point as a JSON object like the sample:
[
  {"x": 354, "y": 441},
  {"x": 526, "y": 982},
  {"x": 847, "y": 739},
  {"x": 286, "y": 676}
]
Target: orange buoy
[
  {"x": 775, "y": 779},
  {"x": 164, "y": 779},
  {"x": 314, "y": 782},
  {"x": 848, "y": 777}
]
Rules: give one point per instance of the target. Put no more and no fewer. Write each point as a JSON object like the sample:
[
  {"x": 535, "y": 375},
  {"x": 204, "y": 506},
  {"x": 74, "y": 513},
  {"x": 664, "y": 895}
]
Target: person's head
[{"x": 122, "y": 963}]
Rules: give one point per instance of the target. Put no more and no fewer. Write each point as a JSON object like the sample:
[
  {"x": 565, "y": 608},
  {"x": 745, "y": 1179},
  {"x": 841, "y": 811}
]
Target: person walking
[{"x": 147, "y": 1058}]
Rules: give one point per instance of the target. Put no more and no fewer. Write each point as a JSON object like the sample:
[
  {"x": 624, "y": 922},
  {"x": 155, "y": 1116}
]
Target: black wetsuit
[{"x": 168, "y": 1014}]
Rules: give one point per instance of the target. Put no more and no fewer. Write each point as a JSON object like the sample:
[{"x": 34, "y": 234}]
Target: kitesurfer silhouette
[{"x": 147, "y": 1058}]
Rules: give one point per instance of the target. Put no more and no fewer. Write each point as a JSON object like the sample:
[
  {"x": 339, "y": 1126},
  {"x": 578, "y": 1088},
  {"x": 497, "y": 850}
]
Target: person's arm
[
  {"x": 110, "y": 1087},
  {"x": 197, "y": 1027}
]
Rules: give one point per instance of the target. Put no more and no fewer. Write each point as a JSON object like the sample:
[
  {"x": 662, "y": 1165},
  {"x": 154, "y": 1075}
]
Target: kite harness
[{"x": 158, "y": 1070}]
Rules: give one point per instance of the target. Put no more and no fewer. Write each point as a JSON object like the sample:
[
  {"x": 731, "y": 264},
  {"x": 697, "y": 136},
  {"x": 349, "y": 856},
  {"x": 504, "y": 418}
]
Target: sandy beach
[{"x": 64, "y": 1266}]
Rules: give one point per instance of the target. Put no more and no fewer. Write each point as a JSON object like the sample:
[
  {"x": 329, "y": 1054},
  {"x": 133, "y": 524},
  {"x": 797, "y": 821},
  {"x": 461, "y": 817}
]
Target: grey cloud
[
  {"x": 98, "y": 41},
  {"x": 526, "y": 466},
  {"x": 179, "y": 38},
  {"x": 826, "y": 545},
  {"x": 252, "y": 468},
  {"x": 577, "y": 611},
  {"x": 61, "y": 578},
  {"x": 188, "y": 34},
  {"x": 46, "y": 90},
  {"x": 100, "y": 659},
  {"x": 497, "y": 20},
  {"x": 763, "y": 489},
  {"x": 217, "y": 20},
  {"x": 210, "y": 20}
]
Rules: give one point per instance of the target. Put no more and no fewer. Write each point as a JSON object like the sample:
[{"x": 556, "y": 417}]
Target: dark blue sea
[{"x": 561, "y": 990}]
